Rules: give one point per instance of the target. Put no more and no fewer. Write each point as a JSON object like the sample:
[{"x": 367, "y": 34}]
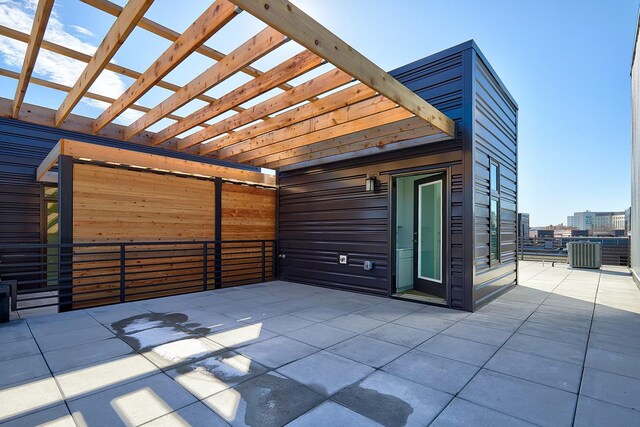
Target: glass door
[{"x": 428, "y": 235}]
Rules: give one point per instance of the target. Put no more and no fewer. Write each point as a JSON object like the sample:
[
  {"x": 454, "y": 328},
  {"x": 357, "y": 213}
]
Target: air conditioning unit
[{"x": 584, "y": 254}]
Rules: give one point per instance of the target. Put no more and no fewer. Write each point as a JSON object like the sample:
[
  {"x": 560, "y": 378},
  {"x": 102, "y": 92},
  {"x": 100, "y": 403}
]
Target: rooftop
[{"x": 559, "y": 349}]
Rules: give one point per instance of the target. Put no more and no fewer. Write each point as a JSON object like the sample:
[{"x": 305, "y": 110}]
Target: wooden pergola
[{"x": 353, "y": 106}]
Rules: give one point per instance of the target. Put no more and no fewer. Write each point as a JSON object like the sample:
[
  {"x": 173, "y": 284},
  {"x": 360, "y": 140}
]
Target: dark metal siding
[
  {"x": 494, "y": 137},
  {"x": 22, "y": 147},
  {"x": 324, "y": 211}
]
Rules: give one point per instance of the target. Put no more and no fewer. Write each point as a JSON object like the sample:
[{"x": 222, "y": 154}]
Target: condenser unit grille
[{"x": 584, "y": 254}]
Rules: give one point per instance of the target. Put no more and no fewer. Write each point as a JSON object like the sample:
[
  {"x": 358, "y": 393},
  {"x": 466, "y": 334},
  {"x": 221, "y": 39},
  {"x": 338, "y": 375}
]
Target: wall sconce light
[{"x": 370, "y": 183}]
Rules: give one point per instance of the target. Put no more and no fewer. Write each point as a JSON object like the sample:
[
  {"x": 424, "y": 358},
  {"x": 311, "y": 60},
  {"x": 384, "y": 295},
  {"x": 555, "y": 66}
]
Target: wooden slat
[
  {"x": 86, "y": 150},
  {"x": 91, "y": 95},
  {"x": 111, "y": 204},
  {"x": 248, "y": 213},
  {"x": 316, "y": 86},
  {"x": 253, "y": 49},
  {"x": 212, "y": 20},
  {"x": 290, "y": 20},
  {"x": 230, "y": 145},
  {"x": 117, "y": 34},
  {"x": 40, "y": 20},
  {"x": 376, "y": 137},
  {"x": 49, "y": 161},
  {"x": 169, "y": 34},
  {"x": 286, "y": 71},
  {"x": 367, "y": 122}
]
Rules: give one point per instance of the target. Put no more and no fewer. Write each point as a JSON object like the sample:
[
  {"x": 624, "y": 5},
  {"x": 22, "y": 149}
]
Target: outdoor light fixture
[{"x": 370, "y": 183}]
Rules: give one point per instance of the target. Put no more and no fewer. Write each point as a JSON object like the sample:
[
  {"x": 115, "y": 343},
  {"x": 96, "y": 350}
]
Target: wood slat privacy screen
[
  {"x": 122, "y": 205},
  {"x": 112, "y": 204}
]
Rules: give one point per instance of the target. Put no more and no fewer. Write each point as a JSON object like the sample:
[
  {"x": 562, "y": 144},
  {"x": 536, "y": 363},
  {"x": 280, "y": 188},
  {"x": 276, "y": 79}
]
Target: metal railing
[
  {"x": 615, "y": 250},
  {"x": 80, "y": 275}
]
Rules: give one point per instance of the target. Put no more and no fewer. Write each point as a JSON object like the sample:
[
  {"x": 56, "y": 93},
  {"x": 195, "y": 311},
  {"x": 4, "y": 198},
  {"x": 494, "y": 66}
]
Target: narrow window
[
  {"x": 51, "y": 231},
  {"x": 494, "y": 178},
  {"x": 494, "y": 232}
]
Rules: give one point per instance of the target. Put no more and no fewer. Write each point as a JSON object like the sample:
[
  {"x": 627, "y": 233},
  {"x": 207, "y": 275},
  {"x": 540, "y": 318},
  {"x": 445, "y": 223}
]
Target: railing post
[
  {"x": 217, "y": 252},
  {"x": 13, "y": 289},
  {"x": 264, "y": 261},
  {"x": 204, "y": 266},
  {"x": 122, "y": 273}
]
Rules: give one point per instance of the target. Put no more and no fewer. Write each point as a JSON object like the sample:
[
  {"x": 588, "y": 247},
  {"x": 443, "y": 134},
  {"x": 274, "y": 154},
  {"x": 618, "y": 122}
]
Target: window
[
  {"x": 494, "y": 212},
  {"x": 494, "y": 232},
  {"x": 51, "y": 231},
  {"x": 494, "y": 178}
]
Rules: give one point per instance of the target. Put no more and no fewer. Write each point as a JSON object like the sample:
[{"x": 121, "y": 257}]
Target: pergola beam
[
  {"x": 212, "y": 20},
  {"x": 318, "y": 85},
  {"x": 168, "y": 34},
  {"x": 375, "y": 137},
  {"x": 359, "y": 124},
  {"x": 239, "y": 141},
  {"x": 290, "y": 69},
  {"x": 252, "y": 50},
  {"x": 300, "y": 27},
  {"x": 79, "y": 56},
  {"x": 102, "y": 153},
  {"x": 40, "y": 20},
  {"x": 117, "y": 34},
  {"x": 49, "y": 161},
  {"x": 91, "y": 95},
  {"x": 75, "y": 123}
]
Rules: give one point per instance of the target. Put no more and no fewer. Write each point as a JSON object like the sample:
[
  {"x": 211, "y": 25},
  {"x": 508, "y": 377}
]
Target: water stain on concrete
[
  {"x": 385, "y": 409},
  {"x": 155, "y": 326},
  {"x": 274, "y": 400},
  {"x": 230, "y": 368}
]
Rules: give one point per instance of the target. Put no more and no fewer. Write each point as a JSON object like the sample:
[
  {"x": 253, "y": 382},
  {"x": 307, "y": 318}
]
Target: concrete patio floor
[{"x": 562, "y": 348}]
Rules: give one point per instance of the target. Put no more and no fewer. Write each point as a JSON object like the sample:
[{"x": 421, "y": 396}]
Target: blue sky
[{"x": 566, "y": 63}]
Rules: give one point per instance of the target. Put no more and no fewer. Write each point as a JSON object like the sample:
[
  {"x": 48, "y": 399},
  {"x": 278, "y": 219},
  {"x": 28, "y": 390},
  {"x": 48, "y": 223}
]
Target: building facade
[
  {"x": 589, "y": 220},
  {"x": 348, "y": 220}
]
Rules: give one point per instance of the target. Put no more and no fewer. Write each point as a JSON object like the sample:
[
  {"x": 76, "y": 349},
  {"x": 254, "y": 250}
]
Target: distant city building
[
  {"x": 523, "y": 225},
  {"x": 618, "y": 221},
  {"x": 579, "y": 233},
  {"x": 627, "y": 221},
  {"x": 544, "y": 233},
  {"x": 597, "y": 220}
]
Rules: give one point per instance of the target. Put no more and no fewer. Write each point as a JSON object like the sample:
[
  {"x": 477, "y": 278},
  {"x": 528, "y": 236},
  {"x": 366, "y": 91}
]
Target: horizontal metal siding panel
[
  {"x": 495, "y": 137},
  {"x": 494, "y": 282},
  {"x": 327, "y": 213},
  {"x": 324, "y": 211},
  {"x": 19, "y": 213}
]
